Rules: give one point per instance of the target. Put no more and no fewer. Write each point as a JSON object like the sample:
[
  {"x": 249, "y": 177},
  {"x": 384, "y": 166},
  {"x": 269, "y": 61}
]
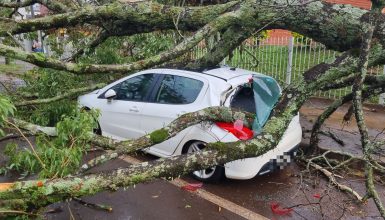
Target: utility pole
[{"x": 290, "y": 60}]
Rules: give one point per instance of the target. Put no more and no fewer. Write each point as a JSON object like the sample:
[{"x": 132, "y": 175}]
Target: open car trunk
[{"x": 258, "y": 97}]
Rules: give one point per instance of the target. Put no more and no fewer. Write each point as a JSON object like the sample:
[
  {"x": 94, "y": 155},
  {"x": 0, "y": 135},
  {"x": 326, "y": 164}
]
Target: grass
[
  {"x": 272, "y": 60},
  {"x": 10, "y": 68}
]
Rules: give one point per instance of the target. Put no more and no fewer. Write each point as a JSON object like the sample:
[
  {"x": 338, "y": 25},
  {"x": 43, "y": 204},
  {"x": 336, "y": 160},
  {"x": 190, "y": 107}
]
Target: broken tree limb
[
  {"x": 130, "y": 17},
  {"x": 216, "y": 153},
  {"x": 210, "y": 114},
  {"x": 41, "y": 60},
  {"x": 351, "y": 158},
  {"x": 190, "y": 14},
  {"x": 43, "y": 192},
  {"x": 230, "y": 39},
  {"x": 100, "y": 38},
  {"x": 333, "y": 180},
  {"x": 367, "y": 147},
  {"x": 125, "y": 147},
  {"x": 367, "y": 93},
  {"x": 33, "y": 128},
  {"x": 70, "y": 94},
  {"x": 333, "y": 136},
  {"x": 93, "y": 205},
  {"x": 370, "y": 80}
]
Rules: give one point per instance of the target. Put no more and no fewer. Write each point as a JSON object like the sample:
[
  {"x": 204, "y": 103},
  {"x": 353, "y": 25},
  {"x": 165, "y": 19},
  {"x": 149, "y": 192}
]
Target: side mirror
[{"x": 110, "y": 94}]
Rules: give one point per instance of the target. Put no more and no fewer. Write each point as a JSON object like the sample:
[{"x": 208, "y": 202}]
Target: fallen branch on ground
[
  {"x": 333, "y": 136},
  {"x": 367, "y": 93},
  {"x": 333, "y": 180},
  {"x": 93, "y": 205}
]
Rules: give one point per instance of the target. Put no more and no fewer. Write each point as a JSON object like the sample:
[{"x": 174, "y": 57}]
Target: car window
[
  {"x": 134, "y": 89},
  {"x": 178, "y": 90}
]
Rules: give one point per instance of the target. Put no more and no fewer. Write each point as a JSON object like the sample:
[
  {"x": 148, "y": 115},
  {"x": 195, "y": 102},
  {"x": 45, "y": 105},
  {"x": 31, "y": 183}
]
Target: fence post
[
  {"x": 290, "y": 60},
  {"x": 381, "y": 100}
]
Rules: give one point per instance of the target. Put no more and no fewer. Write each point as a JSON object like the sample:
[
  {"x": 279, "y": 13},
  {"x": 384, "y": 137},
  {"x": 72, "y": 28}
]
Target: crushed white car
[{"x": 148, "y": 100}]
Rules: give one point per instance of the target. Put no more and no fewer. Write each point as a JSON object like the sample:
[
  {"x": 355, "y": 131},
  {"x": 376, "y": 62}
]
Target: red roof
[{"x": 358, "y": 3}]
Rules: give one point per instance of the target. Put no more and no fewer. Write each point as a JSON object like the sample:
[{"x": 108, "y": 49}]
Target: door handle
[{"x": 134, "y": 109}]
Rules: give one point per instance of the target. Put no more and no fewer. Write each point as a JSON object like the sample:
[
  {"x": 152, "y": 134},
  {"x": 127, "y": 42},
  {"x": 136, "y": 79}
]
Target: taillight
[{"x": 243, "y": 133}]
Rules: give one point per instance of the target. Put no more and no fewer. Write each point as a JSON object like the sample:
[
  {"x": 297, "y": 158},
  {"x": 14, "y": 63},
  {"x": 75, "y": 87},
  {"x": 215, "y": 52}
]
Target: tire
[{"x": 210, "y": 175}]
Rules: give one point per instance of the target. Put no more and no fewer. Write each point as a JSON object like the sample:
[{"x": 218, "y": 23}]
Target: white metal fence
[{"x": 285, "y": 59}]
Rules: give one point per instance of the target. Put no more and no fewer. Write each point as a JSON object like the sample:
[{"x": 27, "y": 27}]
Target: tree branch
[
  {"x": 71, "y": 93},
  {"x": 100, "y": 38},
  {"x": 43, "y": 61},
  {"x": 216, "y": 153},
  {"x": 33, "y": 128},
  {"x": 333, "y": 180},
  {"x": 370, "y": 80},
  {"x": 291, "y": 100},
  {"x": 369, "y": 27},
  {"x": 138, "y": 17},
  {"x": 231, "y": 39},
  {"x": 186, "y": 120},
  {"x": 367, "y": 93},
  {"x": 129, "y": 18}
]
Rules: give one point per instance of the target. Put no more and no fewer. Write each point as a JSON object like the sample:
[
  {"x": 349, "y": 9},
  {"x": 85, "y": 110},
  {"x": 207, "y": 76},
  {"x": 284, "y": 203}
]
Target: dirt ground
[{"x": 310, "y": 195}]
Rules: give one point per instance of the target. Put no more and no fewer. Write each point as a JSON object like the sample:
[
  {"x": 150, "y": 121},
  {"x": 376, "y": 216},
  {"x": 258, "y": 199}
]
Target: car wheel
[{"x": 212, "y": 174}]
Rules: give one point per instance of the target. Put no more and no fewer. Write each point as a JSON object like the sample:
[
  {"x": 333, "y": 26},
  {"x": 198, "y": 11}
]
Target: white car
[{"x": 142, "y": 102}]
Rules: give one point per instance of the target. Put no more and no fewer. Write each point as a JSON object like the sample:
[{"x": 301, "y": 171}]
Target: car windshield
[{"x": 266, "y": 94}]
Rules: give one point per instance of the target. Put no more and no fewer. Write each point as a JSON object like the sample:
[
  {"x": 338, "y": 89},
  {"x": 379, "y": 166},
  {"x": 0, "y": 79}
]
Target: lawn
[
  {"x": 10, "y": 68},
  {"x": 272, "y": 60}
]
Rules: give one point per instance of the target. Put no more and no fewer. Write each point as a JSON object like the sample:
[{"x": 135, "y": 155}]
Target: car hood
[{"x": 95, "y": 91}]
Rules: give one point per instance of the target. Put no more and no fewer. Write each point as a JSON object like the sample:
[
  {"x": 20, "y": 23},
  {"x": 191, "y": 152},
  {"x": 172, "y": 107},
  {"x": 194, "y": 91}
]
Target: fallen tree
[{"x": 358, "y": 33}]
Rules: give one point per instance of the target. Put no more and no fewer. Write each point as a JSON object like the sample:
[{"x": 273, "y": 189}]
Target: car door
[
  {"x": 120, "y": 116},
  {"x": 175, "y": 95}
]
